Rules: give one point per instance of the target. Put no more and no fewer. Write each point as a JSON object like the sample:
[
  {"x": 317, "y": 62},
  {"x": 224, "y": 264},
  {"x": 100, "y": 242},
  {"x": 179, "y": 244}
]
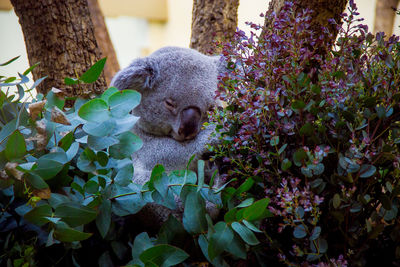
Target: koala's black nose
[{"x": 190, "y": 123}]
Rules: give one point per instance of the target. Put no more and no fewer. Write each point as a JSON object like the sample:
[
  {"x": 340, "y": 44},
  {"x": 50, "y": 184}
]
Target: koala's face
[{"x": 177, "y": 86}]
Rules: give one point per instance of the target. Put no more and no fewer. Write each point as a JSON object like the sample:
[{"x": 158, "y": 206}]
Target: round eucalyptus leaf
[
  {"x": 128, "y": 143},
  {"x": 122, "y": 102},
  {"x": 300, "y": 231},
  {"x": 96, "y": 110}
]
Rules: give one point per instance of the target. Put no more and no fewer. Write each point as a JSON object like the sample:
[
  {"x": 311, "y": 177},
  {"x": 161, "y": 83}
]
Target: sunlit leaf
[{"x": 93, "y": 73}]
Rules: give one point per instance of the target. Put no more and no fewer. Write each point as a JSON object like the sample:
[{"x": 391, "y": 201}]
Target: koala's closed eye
[{"x": 170, "y": 105}]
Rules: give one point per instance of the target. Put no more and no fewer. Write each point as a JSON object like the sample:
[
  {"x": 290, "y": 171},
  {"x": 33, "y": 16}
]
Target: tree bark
[
  {"x": 385, "y": 13},
  {"x": 59, "y": 35},
  {"x": 212, "y": 20},
  {"x": 323, "y": 11},
  {"x": 103, "y": 40}
]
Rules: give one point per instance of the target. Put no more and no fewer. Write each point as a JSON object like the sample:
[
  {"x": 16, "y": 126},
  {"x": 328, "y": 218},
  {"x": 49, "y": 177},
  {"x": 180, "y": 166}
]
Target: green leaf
[
  {"x": 21, "y": 92},
  {"x": 9, "y": 61},
  {"x": 286, "y": 164},
  {"x": 381, "y": 111},
  {"x": 122, "y": 102},
  {"x": 274, "y": 141},
  {"x": 64, "y": 233},
  {"x": 100, "y": 129},
  {"x": 124, "y": 176},
  {"x": 251, "y": 226},
  {"x": 37, "y": 82},
  {"x": 218, "y": 261},
  {"x": 142, "y": 242},
  {"x": 316, "y": 89},
  {"x": 230, "y": 216},
  {"x": 247, "y": 235},
  {"x": 66, "y": 141},
  {"x": 93, "y": 73},
  {"x": 125, "y": 124},
  {"x": 96, "y": 110},
  {"x": 171, "y": 231},
  {"x": 222, "y": 236},
  {"x": 91, "y": 187},
  {"x": 256, "y": 211},
  {"x": 103, "y": 219},
  {"x": 307, "y": 129},
  {"x": 319, "y": 246},
  {"x": 129, "y": 204},
  {"x": 194, "y": 220},
  {"x": 102, "y": 158},
  {"x": 75, "y": 214},
  {"x": 36, "y": 181},
  {"x": 53, "y": 101},
  {"x": 163, "y": 255},
  {"x": 70, "y": 81},
  {"x": 85, "y": 164},
  {"x": 128, "y": 143},
  {"x": 6, "y": 131},
  {"x": 300, "y": 231},
  {"x": 28, "y": 70},
  {"x": 237, "y": 248},
  {"x": 336, "y": 201},
  {"x": 16, "y": 146},
  {"x": 246, "y": 203},
  {"x": 57, "y": 199},
  {"x": 37, "y": 215},
  {"x": 200, "y": 171},
  {"x": 367, "y": 170},
  {"x": 315, "y": 233},
  {"x": 156, "y": 174},
  {"x": 110, "y": 91},
  {"x": 244, "y": 187},
  {"x": 298, "y": 104},
  {"x": 282, "y": 149},
  {"x": 72, "y": 151},
  {"x": 100, "y": 143},
  {"x": 48, "y": 167},
  {"x": 299, "y": 156},
  {"x": 348, "y": 164}
]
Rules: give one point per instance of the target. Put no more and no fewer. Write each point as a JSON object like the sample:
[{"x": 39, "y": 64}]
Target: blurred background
[{"x": 138, "y": 27}]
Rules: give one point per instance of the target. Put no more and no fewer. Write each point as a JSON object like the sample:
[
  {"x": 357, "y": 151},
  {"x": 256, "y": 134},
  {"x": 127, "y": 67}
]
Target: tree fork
[
  {"x": 59, "y": 35},
  {"x": 323, "y": 11},
  {"x": 212, "y": 20}
]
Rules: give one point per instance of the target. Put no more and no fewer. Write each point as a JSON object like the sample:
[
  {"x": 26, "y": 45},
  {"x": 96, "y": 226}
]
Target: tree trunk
[
  {"x": 323, "y": 11},
  {"x": 103, "y": 40},
  {"x": 212, "y": 20},
  {"x": 385, "y": 13},
  {"x": 59, "y": 35}
]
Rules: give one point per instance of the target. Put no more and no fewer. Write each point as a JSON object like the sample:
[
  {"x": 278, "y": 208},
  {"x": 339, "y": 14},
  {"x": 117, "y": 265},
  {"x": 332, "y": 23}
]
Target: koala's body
[{"x": 178, "y": 89}]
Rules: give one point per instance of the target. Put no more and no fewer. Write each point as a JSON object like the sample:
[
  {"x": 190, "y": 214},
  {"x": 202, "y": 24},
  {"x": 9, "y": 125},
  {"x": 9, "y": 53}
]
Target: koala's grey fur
[{"x": 184, "y": 77}]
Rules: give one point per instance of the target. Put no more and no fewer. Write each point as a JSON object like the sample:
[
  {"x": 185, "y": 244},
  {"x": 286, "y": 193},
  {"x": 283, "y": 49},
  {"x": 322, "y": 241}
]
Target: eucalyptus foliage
[{"x": 67, "y": 191}]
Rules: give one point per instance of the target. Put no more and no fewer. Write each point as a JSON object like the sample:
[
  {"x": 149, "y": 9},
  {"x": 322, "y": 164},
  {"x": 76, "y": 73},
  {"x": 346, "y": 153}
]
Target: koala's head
[{"x": 178, "y": 88}]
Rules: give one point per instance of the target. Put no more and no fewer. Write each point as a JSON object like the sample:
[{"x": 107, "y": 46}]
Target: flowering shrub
[{"x": 318, "y": 134}]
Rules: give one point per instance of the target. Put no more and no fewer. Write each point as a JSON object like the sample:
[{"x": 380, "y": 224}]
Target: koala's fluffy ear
[{"x": 142, "y": 73}]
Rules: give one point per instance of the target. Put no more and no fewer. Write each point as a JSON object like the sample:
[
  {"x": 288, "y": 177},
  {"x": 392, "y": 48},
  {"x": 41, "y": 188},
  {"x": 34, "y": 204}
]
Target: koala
[{"x": 178, "y": 89}]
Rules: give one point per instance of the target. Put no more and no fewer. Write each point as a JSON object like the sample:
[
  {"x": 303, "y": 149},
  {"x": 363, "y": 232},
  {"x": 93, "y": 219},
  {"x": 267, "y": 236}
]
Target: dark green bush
[{"x": 320, "y": 136}]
